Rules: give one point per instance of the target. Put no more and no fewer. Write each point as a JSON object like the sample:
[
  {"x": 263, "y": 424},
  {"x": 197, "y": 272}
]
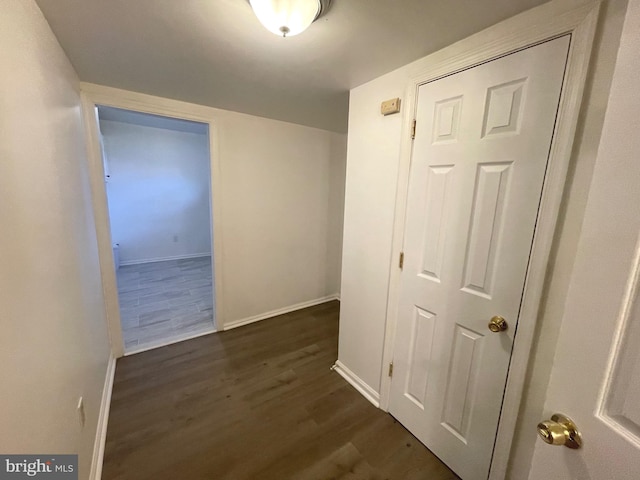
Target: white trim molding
[
  {"x": 103, "y": 420},
  {"x": 356, "y": 382},
  {"x": 279, "y": 311},
  {"x": 540, "y": 24}
]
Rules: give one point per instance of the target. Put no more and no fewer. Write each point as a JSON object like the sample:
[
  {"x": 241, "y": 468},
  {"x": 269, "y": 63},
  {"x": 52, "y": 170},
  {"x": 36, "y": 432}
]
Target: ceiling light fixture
[{"x": 288, "y": 17}]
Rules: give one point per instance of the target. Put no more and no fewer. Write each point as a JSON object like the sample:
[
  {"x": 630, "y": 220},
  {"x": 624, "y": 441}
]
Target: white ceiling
[{"x": 215, "y": 52}]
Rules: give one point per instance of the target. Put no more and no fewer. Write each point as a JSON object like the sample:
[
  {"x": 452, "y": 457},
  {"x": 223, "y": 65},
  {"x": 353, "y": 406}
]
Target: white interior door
[
  {"x": 596, "y": 374},
  {"x": 477, "y": 171}
]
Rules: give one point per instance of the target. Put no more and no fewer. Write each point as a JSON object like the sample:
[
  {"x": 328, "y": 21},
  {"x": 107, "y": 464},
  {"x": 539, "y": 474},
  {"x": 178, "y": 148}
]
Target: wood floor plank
[{"x": 257, "y": 402}]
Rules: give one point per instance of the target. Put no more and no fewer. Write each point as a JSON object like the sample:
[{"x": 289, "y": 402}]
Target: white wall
[
  {"x": 372, "y": 168},
  {"x": 281, "y": 201},
  {"x": 54, "y": 343},
  {"x": 158, "y": 191},
  {"x": 337, "y": 172}
]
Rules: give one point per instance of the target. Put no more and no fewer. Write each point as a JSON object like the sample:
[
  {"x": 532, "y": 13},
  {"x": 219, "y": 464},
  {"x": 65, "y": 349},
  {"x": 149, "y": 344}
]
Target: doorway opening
[{"x": 158, "y": 191}]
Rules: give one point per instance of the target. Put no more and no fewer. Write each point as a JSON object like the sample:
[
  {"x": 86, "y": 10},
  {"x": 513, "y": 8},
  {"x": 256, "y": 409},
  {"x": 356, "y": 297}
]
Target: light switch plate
[{"x": 390, "y": 106}]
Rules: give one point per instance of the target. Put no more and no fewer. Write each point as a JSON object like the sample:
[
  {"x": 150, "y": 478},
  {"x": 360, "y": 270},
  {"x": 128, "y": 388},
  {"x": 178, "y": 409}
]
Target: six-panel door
[{"x": 477, "y": 173}]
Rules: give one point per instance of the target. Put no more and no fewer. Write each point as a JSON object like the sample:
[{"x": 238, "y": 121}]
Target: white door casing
[
  {"x": 93, "y": 95},
  {"x": 596, "y": 374},
  {"x": 478, "y": 166}
]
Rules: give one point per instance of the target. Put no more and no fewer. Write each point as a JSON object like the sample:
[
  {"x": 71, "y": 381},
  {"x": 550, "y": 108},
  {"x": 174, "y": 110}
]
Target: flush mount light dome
[{"x": 288, "y": 17}]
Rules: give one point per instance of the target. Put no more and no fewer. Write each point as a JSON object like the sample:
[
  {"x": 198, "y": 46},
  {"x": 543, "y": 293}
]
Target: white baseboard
[
  {"x": 280, "y": 311},
  {"x": 357, "y": 383},
  {"x": 163, "y": 259},
  {"x": 103, "y": 420}
]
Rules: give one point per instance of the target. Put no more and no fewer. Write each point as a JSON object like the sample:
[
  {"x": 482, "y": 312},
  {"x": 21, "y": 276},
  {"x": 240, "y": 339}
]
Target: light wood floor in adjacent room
[
  {"x": 255, "y": 403},
  {"x": 165, "y": 301}
]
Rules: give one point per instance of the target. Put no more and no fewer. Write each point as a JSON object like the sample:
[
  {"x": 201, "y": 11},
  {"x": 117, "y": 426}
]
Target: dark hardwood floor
[{"x": 255, "y": 403}]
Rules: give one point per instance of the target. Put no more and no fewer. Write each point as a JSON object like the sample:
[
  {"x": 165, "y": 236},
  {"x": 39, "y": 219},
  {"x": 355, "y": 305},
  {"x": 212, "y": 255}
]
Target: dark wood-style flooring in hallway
[{"x": 255, "y": 403}]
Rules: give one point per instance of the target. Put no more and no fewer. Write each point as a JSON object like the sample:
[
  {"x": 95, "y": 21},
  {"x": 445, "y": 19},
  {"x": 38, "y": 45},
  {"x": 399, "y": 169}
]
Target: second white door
[
  {"x": 477, "y": 172},
  {"x": 596, "y": 368}
]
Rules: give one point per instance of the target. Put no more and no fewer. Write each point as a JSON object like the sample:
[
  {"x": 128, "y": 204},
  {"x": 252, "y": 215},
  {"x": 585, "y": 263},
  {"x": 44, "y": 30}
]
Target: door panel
[
  {"x": 437, "y": 192},
  {"x": 421, "y": 343},
  {"x": 462, "y": 381},
  {"x": 477, "y": 171},
  {"x": 486, "y": 227}
]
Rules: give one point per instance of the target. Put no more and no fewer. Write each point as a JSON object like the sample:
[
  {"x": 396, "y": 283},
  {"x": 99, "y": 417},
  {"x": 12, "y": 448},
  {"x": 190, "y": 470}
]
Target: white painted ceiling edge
[{"x": 216, "y": 52}]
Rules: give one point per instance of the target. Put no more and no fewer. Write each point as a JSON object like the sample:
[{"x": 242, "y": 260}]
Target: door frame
[
  {"x": 97, "y": 95},
  {"x": 533, "y": 27}
]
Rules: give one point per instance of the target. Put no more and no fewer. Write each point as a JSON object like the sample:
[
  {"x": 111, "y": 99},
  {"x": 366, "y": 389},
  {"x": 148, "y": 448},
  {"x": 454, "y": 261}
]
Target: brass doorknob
[
  {"x": 498, "y": 324},
  {"x": 560, "y": 430}
]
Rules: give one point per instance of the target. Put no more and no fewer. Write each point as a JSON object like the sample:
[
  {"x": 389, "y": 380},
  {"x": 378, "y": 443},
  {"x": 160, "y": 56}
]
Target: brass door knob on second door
[{"x": 560, "y": 430}]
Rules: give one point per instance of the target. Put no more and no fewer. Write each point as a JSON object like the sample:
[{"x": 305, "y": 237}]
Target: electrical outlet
[{"x": 81, "y": 415}]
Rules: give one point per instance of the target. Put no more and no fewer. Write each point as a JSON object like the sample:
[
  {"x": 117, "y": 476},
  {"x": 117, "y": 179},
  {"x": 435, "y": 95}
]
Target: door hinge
[
  {"x": 413, "y": 129},
  {"x": 401, "y": 260},
  {"x": 391, "y": 369}
]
